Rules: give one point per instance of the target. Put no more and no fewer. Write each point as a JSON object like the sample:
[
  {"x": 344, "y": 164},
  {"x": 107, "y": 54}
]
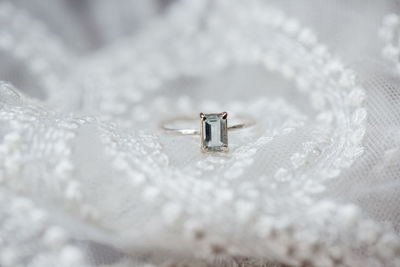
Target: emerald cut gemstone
[{"x": 214, "y": 132}]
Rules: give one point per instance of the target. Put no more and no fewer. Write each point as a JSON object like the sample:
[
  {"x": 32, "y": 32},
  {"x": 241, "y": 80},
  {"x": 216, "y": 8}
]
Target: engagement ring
[{"x": 213, "y": 130}]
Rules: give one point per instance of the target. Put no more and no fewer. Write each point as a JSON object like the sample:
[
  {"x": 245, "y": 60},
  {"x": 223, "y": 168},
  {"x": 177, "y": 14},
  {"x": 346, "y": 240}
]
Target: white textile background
[{"x": 88, "y": 179}]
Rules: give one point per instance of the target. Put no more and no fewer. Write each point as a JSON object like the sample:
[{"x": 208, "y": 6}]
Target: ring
[{"x": 213, "y": 130}]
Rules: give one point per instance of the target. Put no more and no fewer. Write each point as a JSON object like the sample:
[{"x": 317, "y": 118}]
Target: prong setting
[
  {"x": 202, "y": 116},
  {"x": 214, "y": 132}
]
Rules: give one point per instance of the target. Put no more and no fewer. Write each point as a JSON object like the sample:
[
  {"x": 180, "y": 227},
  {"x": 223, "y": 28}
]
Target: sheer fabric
[{"x": 88, "y": 179}]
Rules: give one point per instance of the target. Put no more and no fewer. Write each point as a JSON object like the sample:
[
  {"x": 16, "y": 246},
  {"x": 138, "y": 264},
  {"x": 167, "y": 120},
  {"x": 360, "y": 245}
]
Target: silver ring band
[
  {"x": 213, "y": 130},
  {"x": 244, "y": 123}
]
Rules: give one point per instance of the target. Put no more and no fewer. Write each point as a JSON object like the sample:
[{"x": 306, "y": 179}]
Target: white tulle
[{"x": 88, "y": 179}]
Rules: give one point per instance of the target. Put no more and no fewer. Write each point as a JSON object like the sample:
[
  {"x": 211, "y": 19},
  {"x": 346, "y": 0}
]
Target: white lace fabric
[{"x": 88, "y": 179}]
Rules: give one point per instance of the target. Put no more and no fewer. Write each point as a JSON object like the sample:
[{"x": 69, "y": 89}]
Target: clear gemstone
[{"x": 214, "y": 132}]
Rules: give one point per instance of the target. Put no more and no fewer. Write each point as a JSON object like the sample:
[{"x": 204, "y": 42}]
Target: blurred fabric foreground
[{"x": 88, "y": 179}]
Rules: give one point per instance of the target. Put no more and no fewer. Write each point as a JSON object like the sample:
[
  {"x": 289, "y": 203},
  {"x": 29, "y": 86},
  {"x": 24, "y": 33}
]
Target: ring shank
[{"x": 245, "y": 122}]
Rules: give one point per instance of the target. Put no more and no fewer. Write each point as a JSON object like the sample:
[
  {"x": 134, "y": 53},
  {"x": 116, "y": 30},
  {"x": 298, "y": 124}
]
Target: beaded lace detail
[{"x": 89, "y": 155}]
